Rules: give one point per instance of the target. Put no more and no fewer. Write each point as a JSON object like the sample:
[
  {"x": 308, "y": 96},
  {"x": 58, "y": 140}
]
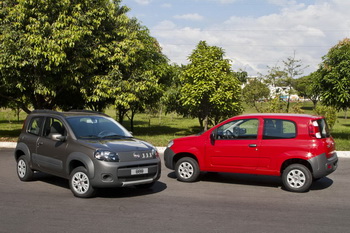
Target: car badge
[{"x": 137, "y": 155}]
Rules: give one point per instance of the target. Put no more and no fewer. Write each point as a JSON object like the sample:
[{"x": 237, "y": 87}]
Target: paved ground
[{"x": 217, "y": 203}]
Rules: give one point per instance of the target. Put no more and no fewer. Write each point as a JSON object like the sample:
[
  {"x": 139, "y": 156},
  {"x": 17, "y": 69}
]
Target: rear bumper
[{"x": 323, "y": 166}]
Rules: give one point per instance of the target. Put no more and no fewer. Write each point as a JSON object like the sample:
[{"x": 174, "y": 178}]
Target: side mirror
[
  {"x": 57, "y": 137},
  {"x": 212, "y": 138}
]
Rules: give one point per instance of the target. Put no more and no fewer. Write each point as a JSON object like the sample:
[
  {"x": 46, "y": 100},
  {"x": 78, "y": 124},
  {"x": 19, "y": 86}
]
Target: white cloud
[
  {"x": 166, "y": 5},
  {"x": 253, "y": 43},
  {"x": 143, "y": 2},
  {"x": 193, "y": 17}
]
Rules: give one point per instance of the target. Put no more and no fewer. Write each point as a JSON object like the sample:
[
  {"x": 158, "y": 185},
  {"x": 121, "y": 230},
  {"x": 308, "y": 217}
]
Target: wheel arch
[
  {"x": 78, "y": 159},
  {"x": 178, "y": 156},
  {"x": 288, "y": 162},
  {"x": 22, "y": 149}
]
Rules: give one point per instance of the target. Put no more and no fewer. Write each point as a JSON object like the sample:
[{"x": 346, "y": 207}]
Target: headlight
[
  {"x": 105, "y": 155},
  {"x": 155, "y": 153},
  {"x": 170, "y": 144}
]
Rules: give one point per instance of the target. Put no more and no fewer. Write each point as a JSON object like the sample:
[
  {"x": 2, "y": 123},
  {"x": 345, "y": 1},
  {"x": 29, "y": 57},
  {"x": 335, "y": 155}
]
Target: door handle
[
  {"x": 252, "y": 145},
  {"x": 40, "y": 143}
]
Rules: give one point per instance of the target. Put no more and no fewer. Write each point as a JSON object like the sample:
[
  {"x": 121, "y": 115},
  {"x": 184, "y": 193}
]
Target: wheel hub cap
[
  {"x": 296, "y": 178},
  {"x": 185, "y": 170},
  {"x": 80, "y": 183}
]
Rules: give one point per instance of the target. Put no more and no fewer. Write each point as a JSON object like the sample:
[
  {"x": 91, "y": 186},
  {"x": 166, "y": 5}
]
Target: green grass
[{"x": 159, "y": 130}]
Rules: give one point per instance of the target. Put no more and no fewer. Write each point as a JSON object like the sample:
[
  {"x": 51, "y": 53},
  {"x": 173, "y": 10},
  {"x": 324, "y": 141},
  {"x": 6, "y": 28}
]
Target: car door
[
  {"x": 235, "y": 146},
  {"x": 278, "y": 140},
  {"x": 32, "y": 135},
  {"x": 51, "y": 154}
]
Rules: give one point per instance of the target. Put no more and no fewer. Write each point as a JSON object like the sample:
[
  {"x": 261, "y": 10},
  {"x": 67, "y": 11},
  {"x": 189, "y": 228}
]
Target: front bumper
[
  {"x": 169, "y": 158},
  {"x": 121, "y": 175},
  {"x": 323, "y": 166}
]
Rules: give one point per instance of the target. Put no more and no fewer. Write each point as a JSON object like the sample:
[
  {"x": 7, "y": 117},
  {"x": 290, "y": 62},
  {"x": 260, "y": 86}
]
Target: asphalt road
[{"x": 217, "y": 203}]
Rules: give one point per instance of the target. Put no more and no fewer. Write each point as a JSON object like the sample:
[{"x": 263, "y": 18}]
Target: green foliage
[
  {"x": 307, "y": 87},
  {"x": 144, "y": 79},
  {"x": 334, "y": 80},
  {"x": 52, "y": 50},
  {"x": 330, "y": 113},
  {"x": 254, "y": 92},
  {"x": 210, "y": 90},
  {"x": 275, "y": 105}
]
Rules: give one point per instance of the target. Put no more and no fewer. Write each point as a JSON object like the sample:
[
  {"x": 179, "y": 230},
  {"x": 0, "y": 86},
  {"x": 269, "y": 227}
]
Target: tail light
[
  {"x": 314, "y": 130},
  {"x": 24, "y": 123}
]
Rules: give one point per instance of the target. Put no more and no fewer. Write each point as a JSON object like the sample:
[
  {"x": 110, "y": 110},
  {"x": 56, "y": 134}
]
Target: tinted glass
[
  {"x": 279, "y": 129},
  {"x": 54, "y": 126},
  {"x": 97, "y": 127},
  {"x": 239, "y": 129},
  {"x": 35, "y": 126},
  {"x": 323, "y": 127}
]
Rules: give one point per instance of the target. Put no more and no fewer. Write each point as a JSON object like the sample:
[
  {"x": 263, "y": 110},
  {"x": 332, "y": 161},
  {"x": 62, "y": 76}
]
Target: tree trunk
[{"x": 206, "y": 123}]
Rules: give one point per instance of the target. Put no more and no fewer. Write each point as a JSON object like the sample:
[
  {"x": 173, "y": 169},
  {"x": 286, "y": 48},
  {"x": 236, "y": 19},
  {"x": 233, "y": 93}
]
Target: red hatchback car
[{"x": 297, "y": 147}]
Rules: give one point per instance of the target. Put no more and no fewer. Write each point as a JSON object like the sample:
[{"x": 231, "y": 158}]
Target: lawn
[{"x": 159, "y": 130}]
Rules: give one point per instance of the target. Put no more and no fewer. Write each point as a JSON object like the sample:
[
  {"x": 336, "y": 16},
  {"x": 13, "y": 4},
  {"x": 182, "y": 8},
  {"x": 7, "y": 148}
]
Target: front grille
[{"x": 124, "y": 174}]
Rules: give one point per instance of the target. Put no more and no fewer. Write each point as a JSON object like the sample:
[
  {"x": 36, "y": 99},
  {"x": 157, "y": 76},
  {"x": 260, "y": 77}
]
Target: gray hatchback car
[{"x": 90, "y": 149}]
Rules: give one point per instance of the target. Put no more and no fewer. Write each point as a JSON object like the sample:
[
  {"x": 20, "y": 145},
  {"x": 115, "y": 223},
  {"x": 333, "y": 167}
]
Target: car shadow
[
  {"x": 126, "y": 192},
  {"x": 321, "y": 184},
  {"x": 242, "y": 179},
  {"x": 120, "y": 192},
  {"x": 254, "y": 180}
]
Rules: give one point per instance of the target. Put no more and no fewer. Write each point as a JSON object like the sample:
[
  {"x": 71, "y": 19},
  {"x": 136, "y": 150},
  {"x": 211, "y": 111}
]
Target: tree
[
  {"x": 334, "y": 79},
  {"x": 254, "y": 92},
  {"x": 293, "y": 68},
  {"x": 210, "y": 90},
  {"x": 53, "y": 51},
  {"x": 141, "y": 84},
  {"x": 307, "y": 87}
]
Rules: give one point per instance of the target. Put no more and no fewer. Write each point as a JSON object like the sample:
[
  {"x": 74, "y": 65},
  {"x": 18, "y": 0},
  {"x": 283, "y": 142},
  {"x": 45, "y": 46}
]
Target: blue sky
[{"x": 253, "y": 33}]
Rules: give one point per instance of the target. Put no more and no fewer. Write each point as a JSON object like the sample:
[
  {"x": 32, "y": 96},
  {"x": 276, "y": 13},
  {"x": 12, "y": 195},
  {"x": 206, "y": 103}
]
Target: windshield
[{"x": 97, "y": 127}]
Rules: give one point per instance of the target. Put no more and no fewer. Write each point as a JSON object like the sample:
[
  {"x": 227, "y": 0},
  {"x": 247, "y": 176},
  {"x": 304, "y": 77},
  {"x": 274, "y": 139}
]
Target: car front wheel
[
  {"x": 187, "y": 170},
  {"x": 79, "y": 183},
  {"x": 24, "y": 172},
  {"x": 297, "y": 178}
]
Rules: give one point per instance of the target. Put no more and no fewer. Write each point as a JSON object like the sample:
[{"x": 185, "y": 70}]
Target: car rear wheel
[
  {"x": 297, "y": 178},
  {"x": 187, "y": 170},
  {"x": 24, "y": 172},
  {"x": 80, "y": 184}
]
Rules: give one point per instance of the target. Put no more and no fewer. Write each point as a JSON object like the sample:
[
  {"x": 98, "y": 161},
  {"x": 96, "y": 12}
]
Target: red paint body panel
[{"x": 221, "y": 150}]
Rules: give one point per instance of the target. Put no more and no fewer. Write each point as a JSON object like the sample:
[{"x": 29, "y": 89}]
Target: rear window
[
  {"x": 35, "y": 125},
  {"x": 279, "y": 129},
  {"x": 323, "y": 128}
]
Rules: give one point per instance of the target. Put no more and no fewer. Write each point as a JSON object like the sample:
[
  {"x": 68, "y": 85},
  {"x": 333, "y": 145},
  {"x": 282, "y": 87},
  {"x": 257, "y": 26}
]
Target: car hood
[
  {"x": 187, "y": 138},
  {"x": 119, "y": 145}
]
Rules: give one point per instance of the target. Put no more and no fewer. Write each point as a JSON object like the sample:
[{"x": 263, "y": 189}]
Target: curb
[{"x": 341, "y": 154}]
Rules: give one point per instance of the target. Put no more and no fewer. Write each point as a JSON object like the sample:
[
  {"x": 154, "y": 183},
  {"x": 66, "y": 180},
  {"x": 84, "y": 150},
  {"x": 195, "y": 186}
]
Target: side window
[
  {"x": 54, "y": 126},
  {"x": 279, "y": 129},
  {"x": 35, "y": 126},
  {"x": 240, "y": 129}
]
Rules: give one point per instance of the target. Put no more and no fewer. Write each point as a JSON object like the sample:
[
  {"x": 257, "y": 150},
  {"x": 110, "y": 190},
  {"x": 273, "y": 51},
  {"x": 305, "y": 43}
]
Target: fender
[
  {"x": 24, "y": 148},
  {"x": 83, "y": 158}
]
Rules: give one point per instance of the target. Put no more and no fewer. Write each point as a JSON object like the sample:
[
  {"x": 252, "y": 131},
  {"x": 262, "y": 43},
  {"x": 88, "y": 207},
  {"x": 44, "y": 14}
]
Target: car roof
[
  {"x": 284, "y": 115},
  {"x": 68, "y": 113}
]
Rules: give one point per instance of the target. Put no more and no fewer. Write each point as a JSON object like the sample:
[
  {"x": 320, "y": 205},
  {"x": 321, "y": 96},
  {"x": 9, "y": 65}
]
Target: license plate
[{"x": 139, "y": 171}]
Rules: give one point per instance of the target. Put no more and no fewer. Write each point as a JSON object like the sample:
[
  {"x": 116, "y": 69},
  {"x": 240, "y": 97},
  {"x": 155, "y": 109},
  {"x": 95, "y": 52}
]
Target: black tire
[
  {"x": 297, "y": 178},
  {"x": 187, "y": 170},
  {"x": 79, "y": 183},
  {"x": 24, "y": 172}
]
